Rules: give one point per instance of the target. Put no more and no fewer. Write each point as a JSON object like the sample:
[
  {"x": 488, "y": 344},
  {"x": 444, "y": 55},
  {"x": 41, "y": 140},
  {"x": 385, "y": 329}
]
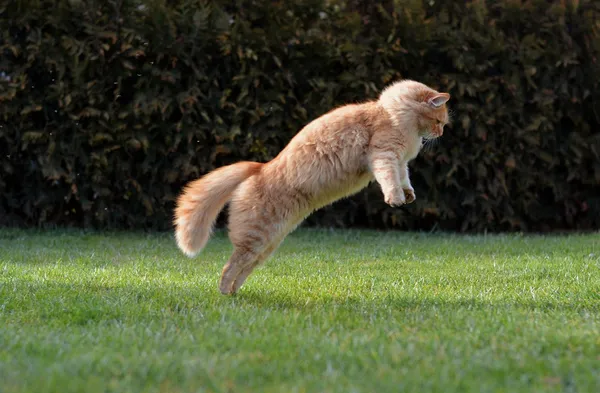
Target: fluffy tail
[{"x": 201, "y": 201}]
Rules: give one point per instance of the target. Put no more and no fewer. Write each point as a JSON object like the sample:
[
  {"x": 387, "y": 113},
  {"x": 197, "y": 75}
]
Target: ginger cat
[{"x": 332, "y": 157}]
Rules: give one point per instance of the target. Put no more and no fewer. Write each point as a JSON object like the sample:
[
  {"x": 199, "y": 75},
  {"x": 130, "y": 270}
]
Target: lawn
[{"x": 332, "y": 311}]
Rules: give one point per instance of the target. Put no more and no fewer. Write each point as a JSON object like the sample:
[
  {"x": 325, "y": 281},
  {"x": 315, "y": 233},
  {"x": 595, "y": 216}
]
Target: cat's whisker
[
  {"x": 427, "y": 144},
  {"x": 430, "y": 143}
]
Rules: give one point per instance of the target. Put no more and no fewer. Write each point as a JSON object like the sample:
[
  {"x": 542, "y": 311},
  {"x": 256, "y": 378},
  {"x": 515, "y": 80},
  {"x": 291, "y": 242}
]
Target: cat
[{"x": 332, "y": 157}]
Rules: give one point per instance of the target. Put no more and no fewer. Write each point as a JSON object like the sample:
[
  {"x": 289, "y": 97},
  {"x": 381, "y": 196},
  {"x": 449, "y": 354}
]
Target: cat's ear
[{"x": 438, "y": 100}]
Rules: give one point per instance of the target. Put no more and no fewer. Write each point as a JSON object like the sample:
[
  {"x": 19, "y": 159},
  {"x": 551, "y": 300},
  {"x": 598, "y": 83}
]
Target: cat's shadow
[{"x": 397, "y": 301}]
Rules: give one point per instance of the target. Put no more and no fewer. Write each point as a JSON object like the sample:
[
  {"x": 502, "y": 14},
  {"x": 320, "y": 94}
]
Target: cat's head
[{"x": 413, "y": 105}]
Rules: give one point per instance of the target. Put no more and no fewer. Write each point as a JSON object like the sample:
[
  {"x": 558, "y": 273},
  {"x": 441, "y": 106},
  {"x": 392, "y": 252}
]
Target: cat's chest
[{"x": 413, "y": 148}]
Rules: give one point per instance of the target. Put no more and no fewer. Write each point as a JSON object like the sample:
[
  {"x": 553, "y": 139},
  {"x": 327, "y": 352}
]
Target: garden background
[{"x": 107, "y": 108}]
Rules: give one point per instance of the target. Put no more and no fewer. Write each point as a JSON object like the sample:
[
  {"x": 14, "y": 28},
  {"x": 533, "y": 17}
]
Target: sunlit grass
[{"x": 332, "y": 311}]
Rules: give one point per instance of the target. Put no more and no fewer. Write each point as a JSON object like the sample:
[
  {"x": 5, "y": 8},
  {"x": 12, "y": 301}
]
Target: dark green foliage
[{"x": 107, "y": 108}]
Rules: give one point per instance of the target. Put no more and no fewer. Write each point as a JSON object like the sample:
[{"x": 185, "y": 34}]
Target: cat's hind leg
[
  {"x": 243, "y": 275},
  {"x": 259, "y": 220},
  {"x": 253, "y": 229},
  {"x": 248, "y": 255},
  {"x": 241, "y": 260}
]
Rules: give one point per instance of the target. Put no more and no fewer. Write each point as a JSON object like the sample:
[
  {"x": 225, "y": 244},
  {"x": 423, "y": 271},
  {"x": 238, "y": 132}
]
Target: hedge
[{"x": 107, "y": 108}]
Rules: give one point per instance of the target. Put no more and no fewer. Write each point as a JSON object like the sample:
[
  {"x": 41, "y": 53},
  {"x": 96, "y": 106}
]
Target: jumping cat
[{"x": 334, "y": 156}]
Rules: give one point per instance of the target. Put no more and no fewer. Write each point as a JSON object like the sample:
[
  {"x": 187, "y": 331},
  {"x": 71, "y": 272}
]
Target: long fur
[
  {"x": 202, "y": 200},
  {"x": 332, "y": 157}
]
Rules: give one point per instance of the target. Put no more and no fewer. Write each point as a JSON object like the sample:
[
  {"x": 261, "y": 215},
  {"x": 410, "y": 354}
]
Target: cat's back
[
  {"x": 328, "y": 156},
  {"x": 345, "y": 122},
  {"x": 339, "y": 131}
]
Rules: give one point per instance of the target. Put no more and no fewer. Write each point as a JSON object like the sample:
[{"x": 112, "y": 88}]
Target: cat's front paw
[
  {"x": 409, "y": 194},
  {"x": 395, "y": 198}
]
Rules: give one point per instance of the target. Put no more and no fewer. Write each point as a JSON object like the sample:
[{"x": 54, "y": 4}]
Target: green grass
[{"x": 342, "y": 311}]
